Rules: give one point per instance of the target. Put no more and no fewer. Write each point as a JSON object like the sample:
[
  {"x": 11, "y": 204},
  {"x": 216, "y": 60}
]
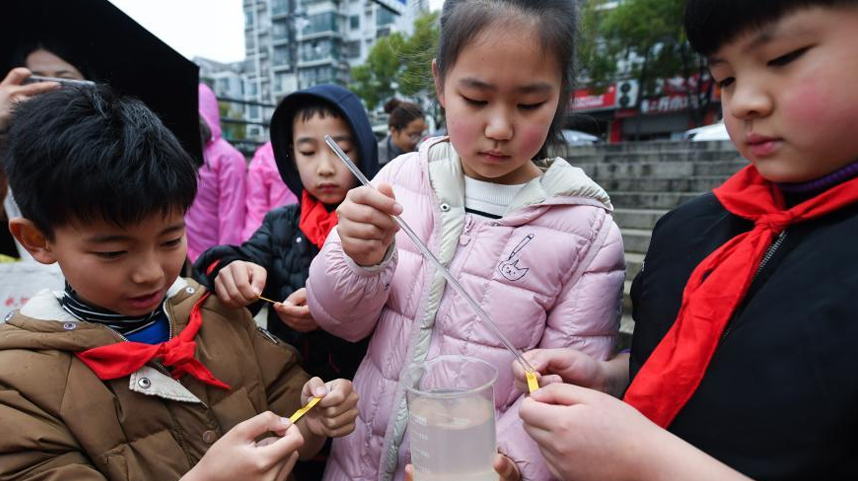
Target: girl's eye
[
  {"x": 474, "y": 103},
  {"x": 726, "y": 82},
  {"x": 307, "y": 153},
  {"x": 110, "y": 255},
  {"x": 786, "y": 59},
  {"x": 531, "y": 106}
]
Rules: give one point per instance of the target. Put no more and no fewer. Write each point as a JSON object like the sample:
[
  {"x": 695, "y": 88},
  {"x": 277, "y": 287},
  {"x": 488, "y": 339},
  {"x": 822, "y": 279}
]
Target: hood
[
  {"x": 209, "y": 110},
  {"x": 351, "y": 109}
]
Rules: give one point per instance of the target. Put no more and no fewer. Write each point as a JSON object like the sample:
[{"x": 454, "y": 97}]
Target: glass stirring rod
[{"x": 481, "y": 314}]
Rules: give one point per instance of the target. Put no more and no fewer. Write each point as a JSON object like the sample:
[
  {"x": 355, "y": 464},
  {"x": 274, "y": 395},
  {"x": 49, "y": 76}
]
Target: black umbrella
[{"x": 107, "y": 46}]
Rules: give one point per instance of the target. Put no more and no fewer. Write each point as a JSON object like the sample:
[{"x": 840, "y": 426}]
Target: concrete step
[
  {"x": 627, "y": 328},
  {"x": 650, "y": 200},
  {"x": 601, "y": 172},
  {"x": 634, "y": 263},
  {"x": 636, "y": 240},
  {"x": 637, "y": 218},
  {"x": 627, "y": 299},
  {"x": 678, "y": 156},
  {"x": 658, "y": 146},
  {"x": 644, "y": 184}
]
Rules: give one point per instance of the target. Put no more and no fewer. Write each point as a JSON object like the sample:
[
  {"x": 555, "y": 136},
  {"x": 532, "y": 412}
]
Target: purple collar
[{"x": 823, "y": 183}]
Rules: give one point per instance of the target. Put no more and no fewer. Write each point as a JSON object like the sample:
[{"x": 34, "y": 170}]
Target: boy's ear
[
  {"x": 439, "y": 88},
  {"x": 33, "y": 239}
]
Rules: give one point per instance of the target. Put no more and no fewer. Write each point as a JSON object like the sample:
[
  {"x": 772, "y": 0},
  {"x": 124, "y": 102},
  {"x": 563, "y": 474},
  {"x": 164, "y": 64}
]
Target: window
[
  {"x": 279, "y": 7},
  {"x": 352, "y": 49},
  {"x": 280, "y": 30},
  {"x": 384, "y": 17},
  {"x": 354, "y": 22},
  {"x": 323, "y": 22},
  {"x": 281, "y": 56}
]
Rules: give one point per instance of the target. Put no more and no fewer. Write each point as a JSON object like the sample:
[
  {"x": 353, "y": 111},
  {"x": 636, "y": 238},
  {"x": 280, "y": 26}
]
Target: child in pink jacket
[
  {"x": 217, "y": 214},
  {"x": 265, "y": 189},
  {"x": 531, "y": 238}
]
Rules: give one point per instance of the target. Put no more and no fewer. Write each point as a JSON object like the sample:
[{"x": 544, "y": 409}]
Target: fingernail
[
  {"x": 257, "y": 292},
  {"x": 286, "y": 422},
  {"x": 397, "y": 208},
  {"x": 320, "y": 391}
]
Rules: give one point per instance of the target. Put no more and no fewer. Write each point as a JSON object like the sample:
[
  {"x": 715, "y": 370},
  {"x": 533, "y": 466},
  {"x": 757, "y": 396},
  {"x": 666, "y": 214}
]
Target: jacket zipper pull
[{"x": 465, "y": 238}]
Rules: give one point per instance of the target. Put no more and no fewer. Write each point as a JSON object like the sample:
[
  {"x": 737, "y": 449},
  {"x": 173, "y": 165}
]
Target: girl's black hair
[
  {"x": 401, "y": 113},
  {"x": 556, "y": 23},
  {"x": 710, "y": 24},
  {"x": 82, "y": 154},
  {"x": 24, "y": 48}
]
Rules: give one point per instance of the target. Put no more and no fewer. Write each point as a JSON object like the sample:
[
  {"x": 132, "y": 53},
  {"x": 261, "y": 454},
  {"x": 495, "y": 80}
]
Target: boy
[
  {"x": 745, "y": 312},
  {"x": 275, "y": 261},
  {"x": 103, "y": 187}
]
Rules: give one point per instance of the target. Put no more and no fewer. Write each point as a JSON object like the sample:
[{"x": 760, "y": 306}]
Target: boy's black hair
[
  {"x": 86, "y": 154},
  {"x": 307, "y": 108},
  {"x": 556, "y": 21},
  {"x": 710, "y": 24}
]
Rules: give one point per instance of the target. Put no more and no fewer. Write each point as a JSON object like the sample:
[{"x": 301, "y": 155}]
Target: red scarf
[
  {"x": 123, "y": 358},
  {"x": 316, "y": 222},
  {"x": 676, "y": 367}
]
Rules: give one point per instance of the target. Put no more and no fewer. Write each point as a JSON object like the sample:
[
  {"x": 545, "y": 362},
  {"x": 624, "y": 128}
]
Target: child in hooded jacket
[
  {"x": 530, "y": 237},
  {"x": 265, "y": 189},
  {"x": 217, "y": 214},
  {"x": 275, "y": 261}
]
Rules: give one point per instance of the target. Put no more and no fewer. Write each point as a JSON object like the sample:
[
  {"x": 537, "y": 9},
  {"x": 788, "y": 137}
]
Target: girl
[
  {"x": 406, "y": 124},
  {"x": 530, "y": 237}
]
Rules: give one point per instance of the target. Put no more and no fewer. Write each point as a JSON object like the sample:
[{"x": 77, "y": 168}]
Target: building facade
[{"x": 294, "y": 44}]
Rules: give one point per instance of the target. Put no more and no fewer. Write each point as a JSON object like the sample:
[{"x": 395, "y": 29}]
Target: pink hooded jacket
[
  {"x": 217, "y": 214},
  {"x": 550, "y": 273},
  {"x": 265, "y": 189}
]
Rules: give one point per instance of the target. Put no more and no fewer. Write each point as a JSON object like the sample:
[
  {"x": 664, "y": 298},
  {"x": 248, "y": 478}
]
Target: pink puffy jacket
[
  {"x": 265, "y": 189},
  {"x": 550, "y": 273},
  {"x": 217, "y": 214}
]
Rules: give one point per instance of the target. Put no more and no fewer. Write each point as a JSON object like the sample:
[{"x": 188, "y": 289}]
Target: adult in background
[{"x": 406, "y": 126}]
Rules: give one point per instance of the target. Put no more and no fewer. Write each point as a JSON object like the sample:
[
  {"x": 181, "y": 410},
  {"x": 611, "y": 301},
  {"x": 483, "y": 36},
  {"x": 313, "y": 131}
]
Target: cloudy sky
[{"x": 206, "y": 28}]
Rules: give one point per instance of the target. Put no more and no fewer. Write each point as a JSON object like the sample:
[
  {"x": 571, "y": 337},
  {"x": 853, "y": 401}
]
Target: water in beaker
[{"x": 451, "y": 423}]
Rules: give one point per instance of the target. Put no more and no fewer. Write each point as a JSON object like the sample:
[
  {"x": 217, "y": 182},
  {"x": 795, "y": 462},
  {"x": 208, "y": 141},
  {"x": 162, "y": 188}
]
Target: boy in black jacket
[
  {"x": 274, "y": 263},
  {"x": 742, "y": 361}
]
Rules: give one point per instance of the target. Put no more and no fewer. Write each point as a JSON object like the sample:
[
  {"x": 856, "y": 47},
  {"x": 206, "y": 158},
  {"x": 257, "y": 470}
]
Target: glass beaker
[{"x": 451, "y": 419}]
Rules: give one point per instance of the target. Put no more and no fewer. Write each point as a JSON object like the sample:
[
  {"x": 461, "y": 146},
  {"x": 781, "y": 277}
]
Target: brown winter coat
[{"x": 58, "y": 421}]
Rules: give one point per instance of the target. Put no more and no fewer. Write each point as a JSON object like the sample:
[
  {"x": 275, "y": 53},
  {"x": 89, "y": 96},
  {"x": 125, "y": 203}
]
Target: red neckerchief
[
  {"x": 316, "y": 222},
  {"x": 123, "y": 358},
  {"x": 718, "y": 284}
]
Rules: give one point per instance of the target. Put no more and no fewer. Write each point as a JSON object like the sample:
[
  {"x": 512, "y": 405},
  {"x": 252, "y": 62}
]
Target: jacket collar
[{"x": 560, "y": 183}]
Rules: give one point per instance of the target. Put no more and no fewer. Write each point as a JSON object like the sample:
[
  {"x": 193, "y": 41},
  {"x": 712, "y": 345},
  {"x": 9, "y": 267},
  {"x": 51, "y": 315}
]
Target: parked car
[
  {"x": 576, "y": 137},
  {"x": 707, "y": 133}
]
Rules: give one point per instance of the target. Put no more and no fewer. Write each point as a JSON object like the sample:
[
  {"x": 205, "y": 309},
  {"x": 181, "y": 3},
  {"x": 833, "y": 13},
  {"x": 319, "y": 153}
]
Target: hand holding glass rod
[{"x": 454, "y": 283}]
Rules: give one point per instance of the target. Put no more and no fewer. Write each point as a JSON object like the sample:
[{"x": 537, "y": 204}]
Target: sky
[
  {"x": 206, "y": 28},
  {"x": 212, "y": 29}
]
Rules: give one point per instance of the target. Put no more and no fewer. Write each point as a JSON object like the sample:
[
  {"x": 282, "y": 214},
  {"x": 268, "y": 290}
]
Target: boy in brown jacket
[{"x": 134, "y": 372}]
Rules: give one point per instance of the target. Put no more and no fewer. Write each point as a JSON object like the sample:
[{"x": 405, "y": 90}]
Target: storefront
[{"x": 616, "y": 114}]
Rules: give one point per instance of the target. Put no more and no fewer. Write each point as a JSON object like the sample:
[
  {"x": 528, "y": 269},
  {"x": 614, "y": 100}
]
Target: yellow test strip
[
  {"x": 301, "y": 412},
  {"x": 532, "y": 383},
  {"x": 267, "y": 300}
]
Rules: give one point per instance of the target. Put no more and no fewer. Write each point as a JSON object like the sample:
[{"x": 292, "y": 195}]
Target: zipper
[
  {"x": 766, "y": 258},
  {"x": 465, "y": 238}
]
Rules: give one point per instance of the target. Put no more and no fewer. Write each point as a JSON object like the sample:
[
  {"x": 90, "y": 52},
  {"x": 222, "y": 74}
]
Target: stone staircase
[{"x": 647, "y": 179}]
